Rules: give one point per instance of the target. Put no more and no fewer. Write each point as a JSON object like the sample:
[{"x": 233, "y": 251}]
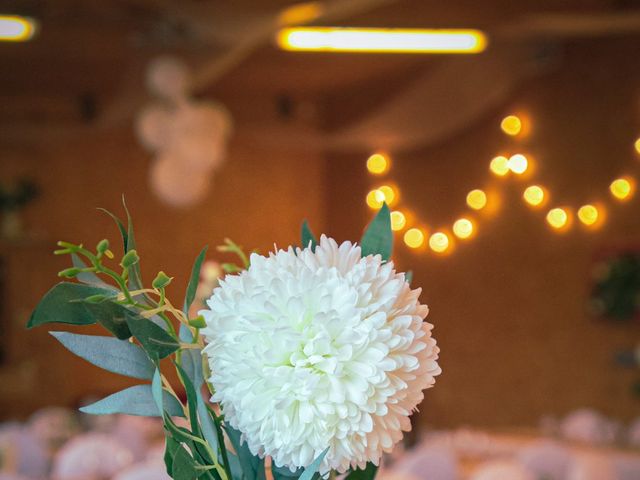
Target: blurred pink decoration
[
  {"x": 22, "y": 453},
  {"x": 592, "y": 466},
  {"x": 589, "y": 426},
  {"x": 175, "y": 184},
  {"x": 633, "y": 433},
  {"x": 153, "y": 127},
  {"x": 548, "y": 460},
  {"x": 91, "y": 456},
  {"x": 54, "y": 426},
  {"x": 426, "y": 463},
  {"x": 144, "y": 471},
  {"x": 137, "y": 434},
  {"x": 168, "y": 77},
  {"x": 502, "y": 470}
]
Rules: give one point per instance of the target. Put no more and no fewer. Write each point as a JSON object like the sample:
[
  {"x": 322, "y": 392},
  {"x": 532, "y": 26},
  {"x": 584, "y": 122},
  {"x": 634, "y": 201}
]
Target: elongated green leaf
[
  {"x": 111, "y": 316},
  {"x": 312, "y": 469},
  {"x": 251, "y": 464},
  {"x": 308, "y": 238},
  {"x": 185, "y": 334},
  {"x": 156, "y": 391},
  {"x": 378, "y": 237},
  {"x": 121, "y": 228},
  {"x": 194, "y": 280},
  {"x": 135, "y": 276},
  {"x": 108, "y": 353},
  {"x": 136, "y": 400},
  {"x": 184, "y": 466},
  {"x": 89, "y": 278},
  {"x": 63, "y": 304},
  {"x": 192, "y": 365},
  {"x": 369, "y": 473},
  {"x": 209, "y": 428},
  {"x": 156, "y": 342},
  {"x": 170, "y": 450},
  {"x": 192, "y": 400}
]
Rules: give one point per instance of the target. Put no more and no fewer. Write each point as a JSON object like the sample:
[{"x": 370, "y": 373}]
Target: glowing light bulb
[
  {"x": 637, "y": 145},
  {"x": 534, "y": 195},
  {"x": 463, "y": 228},
  {"x": 389, "y": 194},
  {"x": 622, "y": 188},
  {"x": 518, "y": 163},
  {"x": 439, "y": 242},
  {"x": 477, "y": 199},
  {"x": 398, "y": 220},
  {"x": 14, "y": 28},
  {"x": 377, "y": 164},
  {"x": 414, "y": 238},
  {"x": 499, "y": 165},
  {"x": 588, "y": 214},
  {"x": 511, "y": 125},
  {"x": 375, "y": 199},
  {"x": 557, "y": 218}
]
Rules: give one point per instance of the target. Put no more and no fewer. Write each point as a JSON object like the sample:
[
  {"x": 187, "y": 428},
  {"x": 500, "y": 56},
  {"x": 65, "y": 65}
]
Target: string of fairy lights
[{"x": 559, "y": 218}]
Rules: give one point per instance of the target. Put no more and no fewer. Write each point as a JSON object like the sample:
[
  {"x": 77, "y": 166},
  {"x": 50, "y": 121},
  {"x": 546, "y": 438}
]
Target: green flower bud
[
  {"x": 130, "y": 259},
  {"x": 198, "y": 322},
  {"x": 161, "y": 280},
  {"x": 103, "y": 246},
  {"x": 69, "y": 272}
]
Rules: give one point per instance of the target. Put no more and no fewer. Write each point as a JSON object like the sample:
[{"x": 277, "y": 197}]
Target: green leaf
[
  {"x": 192, "y": 365},
  {"x": 89, "y": 278},
  {"x": 111, "y": 316},
  {"x": 136, "y": 400},
  {"x": 156, "y": 342},
  {"x": 210, "y": 430},
  {"x": 192, "y": 401},
  {"x": 123, "y": 230},
  {"x": 378, "y": 237},
  {"x": 62, "y": 304},
  {"x": 251, "y": 464},
  {"x": 308, "y": 238},
  {"x": 312, "y": 469},
  {"x": 170, "y": 450},
  {"x": 111, "y": 354},
  {"x": 156, "y": 391},
  {"x": 184, "y": 466},
  {"x": 135, "y": 276},
  {"x": 194, "y": 280},
  {"x": 369, "y": 473}
]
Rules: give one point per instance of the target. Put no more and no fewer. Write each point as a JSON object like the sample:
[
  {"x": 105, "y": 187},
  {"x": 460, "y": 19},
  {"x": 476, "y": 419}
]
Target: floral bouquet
[{"x": 306, "y": 364}]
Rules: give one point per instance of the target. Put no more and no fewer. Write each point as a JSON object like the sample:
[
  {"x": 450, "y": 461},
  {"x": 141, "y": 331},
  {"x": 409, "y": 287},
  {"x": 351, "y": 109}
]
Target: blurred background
[{"x": 507, "y": 148}]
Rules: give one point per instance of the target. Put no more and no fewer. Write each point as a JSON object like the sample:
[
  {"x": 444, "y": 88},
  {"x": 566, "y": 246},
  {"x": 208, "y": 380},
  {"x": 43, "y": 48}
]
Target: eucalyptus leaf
[
  {"x": 156, "y": 342},
  {"x": 369, "y": 473},
  {"x": 209, "y": 428},
  {"x": 312, "y": 469},
  {"x": 108, "y": 353},
  {"x": 111, "y": 316},
  {"x": 192, "y": 401},
  {"x": 192, "y": 365},
  {"x": 308, "y": 238},
  {"x": 378, "y": 237},
  {"x": 135, "y": 276},
  {"x": 63, "y": 304},
  {"x": 194, "y": 280},
  {"x": 184, "y": 333},
  {"x": 136, "y": 400},
  {"x": 184, "y": 466},
  {"x": 250, "y": 463},
  {"x": 121, "y": 227},
  {"x": 170, "y": 450},
  {"x": 156, "y": 391}
]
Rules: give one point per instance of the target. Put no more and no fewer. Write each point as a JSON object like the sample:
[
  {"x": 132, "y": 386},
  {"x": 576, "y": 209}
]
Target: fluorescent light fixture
[
  {"x": 381, "y": 40},
  {"x": 14, "y": 28}
]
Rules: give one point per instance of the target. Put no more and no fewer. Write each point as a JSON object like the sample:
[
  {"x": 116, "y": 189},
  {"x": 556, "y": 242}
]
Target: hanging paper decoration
[{"x": 188, "y": 138}]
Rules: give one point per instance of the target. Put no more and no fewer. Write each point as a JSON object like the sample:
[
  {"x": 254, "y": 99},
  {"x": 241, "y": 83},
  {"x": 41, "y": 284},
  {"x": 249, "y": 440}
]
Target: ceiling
[{"x": 87, "y": 63}]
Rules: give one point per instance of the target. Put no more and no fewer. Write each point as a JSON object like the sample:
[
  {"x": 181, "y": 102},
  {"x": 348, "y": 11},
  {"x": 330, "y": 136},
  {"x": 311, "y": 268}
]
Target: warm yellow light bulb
[
  {"x": 637, "y": 145},
  {"x": 499, "y": 165},
  {"x": 439, "y": 242},
  {"x": 414, "y": 238},
  {"x": 463, "y": 228},
  {"x": 511, "y": 125},
  {"x": 534, "y": 195},
  {"x": 588, "y": 214},
  {"x": 14, "y": 28},
  {"x": 375, "y": 199},
  {"x": 622, "y": 188},
  {"x": 518, "y": 163},
  {"x": 398, "y": 220},
  {"x": 377, "y": 164},
  {"x": 389, "y": 194},
  {"x": 477, "y": 199},
  {"x": 557, "y": 218}
]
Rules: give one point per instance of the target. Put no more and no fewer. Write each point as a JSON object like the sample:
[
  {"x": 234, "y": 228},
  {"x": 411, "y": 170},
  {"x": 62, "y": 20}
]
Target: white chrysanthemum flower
[{"x": 320, "y": 349}]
